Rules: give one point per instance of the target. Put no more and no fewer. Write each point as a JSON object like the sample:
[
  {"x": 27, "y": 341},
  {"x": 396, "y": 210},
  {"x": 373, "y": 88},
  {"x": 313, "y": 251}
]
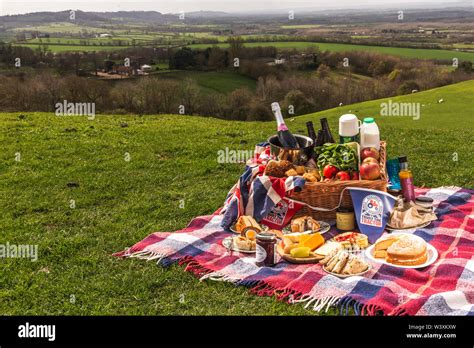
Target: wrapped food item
[{"x": 410, "y": 215}]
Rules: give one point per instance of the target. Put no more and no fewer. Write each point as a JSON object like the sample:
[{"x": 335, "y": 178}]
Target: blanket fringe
[
  {"x": 262, "y": 288},
  {"x": 217, "y": 276}
]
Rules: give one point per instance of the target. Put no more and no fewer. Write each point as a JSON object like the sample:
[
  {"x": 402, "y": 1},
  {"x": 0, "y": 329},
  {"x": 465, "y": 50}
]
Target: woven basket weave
[{"x": 327, "y": 195}]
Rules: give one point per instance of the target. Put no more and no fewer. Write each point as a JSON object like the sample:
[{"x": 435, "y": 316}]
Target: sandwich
[
  {"x": 243, "y": 243},
  {"x": 304, "y": 223},
  {"x": 343, "y": 263}
]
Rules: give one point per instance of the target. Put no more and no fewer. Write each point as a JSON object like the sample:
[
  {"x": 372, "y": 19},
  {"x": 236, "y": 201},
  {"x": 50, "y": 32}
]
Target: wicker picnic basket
[{"x": 321, "y": 199}]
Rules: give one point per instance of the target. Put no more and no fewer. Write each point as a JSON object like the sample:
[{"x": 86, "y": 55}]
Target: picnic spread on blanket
[{"x": 331, "y": 223}]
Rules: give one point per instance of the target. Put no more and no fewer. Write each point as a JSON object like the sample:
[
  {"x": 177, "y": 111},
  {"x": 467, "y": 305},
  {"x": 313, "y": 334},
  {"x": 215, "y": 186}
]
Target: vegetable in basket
[{"x": 341, "y": 156}]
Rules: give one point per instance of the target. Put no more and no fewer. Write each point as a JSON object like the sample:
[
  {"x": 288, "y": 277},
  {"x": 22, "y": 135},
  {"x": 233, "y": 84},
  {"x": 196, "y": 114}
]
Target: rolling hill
[{"x": 129, "y": 175}]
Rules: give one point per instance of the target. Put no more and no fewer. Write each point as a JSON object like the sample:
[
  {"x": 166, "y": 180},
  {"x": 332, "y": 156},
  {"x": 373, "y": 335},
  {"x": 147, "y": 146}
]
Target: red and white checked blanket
[{"x": 444, "y": 288}]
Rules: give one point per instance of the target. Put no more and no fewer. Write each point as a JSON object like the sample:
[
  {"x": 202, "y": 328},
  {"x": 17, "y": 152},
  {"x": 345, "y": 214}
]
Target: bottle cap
[
  {"x": 369, "y": 120},
  {"x": 402, "y": 159}
]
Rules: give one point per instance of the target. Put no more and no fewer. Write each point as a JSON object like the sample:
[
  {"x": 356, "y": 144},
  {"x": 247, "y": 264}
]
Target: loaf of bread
[{"x": 278, "y": 169}]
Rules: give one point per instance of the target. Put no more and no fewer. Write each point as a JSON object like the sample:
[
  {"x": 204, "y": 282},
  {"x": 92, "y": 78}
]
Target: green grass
[
  {"x": 215, "y": 81},
  {"x": 172, "y": 158},
  {"x": 403, "y": 52}
]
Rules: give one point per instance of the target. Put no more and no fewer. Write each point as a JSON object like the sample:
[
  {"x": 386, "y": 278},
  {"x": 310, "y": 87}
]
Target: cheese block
[{"x": 314, "y": 241}]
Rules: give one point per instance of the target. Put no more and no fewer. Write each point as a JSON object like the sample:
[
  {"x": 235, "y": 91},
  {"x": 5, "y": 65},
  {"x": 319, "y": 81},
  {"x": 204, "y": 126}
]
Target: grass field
[
  {"x": 73, "y": 48},
  {"x": 172, "y": 158},
  {"x": 214, "y": 81},
  {"x": 403, "y": 52}
]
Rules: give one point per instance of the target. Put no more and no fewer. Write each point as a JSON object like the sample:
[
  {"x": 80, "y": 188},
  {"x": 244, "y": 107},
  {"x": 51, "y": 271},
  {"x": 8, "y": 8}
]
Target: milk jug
[{"x": 369, "y": 134}]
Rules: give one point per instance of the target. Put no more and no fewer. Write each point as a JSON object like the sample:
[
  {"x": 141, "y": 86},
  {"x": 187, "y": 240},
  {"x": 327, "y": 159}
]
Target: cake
[{"x": 401, "y": 249}]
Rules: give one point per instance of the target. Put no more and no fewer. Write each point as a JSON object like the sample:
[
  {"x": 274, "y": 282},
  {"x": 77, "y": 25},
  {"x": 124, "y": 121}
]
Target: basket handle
[{"x": 320, "y": 209}]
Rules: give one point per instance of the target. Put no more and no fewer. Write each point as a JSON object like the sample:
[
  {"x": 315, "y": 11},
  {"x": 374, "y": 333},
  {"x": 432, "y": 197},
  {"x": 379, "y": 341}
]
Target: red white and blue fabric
[
  {"x": 256, "y": 194},
  {"x": 444, "y": 288}
]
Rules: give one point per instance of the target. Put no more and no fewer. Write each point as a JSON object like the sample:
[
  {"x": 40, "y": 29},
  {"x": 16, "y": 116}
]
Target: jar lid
[
  {"x": 266, "y": 236},
  {"x": 369, "y": 120},
  {"x": 424, "y": 199}
]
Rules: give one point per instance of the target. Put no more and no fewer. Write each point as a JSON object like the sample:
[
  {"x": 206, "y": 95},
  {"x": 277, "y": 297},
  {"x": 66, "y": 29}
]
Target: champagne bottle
[
  {"x": 328, "y": 138},
  {"x": 287, "y": 140}
]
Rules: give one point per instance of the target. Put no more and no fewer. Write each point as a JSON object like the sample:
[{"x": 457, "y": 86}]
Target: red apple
[
  {"x": 329, "y": 171},
  {"x": 342, "y": 175},
  {"x": 355, "y": 176},
  {"x": 369, "y": 152},
  {"x": 369, "y": 171},
  {"x": 370, "y": 160}
]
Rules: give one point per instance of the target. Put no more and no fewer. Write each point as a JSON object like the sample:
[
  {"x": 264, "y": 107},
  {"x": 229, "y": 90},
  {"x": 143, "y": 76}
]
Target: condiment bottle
[
  {"x": 406, "y": 179},
  {"x": 266, "y": 249},
  {"x": 345, "y": 219}
]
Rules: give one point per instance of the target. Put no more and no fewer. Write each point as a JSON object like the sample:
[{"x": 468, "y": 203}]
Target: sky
[{"x": 175, "y": 6}]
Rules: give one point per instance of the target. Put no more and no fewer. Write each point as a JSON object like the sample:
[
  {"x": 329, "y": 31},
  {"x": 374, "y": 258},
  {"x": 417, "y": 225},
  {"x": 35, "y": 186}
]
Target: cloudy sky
[{"x": 174, "y": 6}]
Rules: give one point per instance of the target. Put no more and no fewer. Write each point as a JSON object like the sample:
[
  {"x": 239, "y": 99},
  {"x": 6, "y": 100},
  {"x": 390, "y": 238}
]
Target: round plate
[
  {"x": 324, "y": 227},
  {"x": 229, "y": 245},
  {"x": 342, "y": 276},
  {"x": 432, "y": 257},
  {"x": 390, "y": 228}
]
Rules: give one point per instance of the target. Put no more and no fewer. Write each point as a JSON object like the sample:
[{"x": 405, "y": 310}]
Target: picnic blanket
[{"x": 443, "y": 288}]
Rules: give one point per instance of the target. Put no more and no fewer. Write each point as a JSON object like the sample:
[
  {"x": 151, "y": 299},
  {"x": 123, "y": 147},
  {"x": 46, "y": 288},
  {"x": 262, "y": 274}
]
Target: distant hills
[
  {"x": 90, "y": 17},
  {"x": 154, "y": 17}
]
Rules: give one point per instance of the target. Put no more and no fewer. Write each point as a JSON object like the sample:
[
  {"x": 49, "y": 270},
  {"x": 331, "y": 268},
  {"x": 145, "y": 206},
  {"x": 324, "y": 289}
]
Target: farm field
[
  {"x": 74, "y": 48},
  {"x": 214, "y": 81},
  {"x": 403, "y": 52},
  {"x": 172, "y": 158}
]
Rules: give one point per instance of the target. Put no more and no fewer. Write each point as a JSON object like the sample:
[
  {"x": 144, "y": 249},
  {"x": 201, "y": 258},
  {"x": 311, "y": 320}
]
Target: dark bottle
[
  {"x": 319, "y": 139},
  {"x": 287, "y": 140},
  {"x": 327, "y": 135},
  {"x": 311, "y": 132}
]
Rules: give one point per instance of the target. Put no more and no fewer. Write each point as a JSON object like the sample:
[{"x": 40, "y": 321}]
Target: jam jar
[{"x": 266, "y": 249}]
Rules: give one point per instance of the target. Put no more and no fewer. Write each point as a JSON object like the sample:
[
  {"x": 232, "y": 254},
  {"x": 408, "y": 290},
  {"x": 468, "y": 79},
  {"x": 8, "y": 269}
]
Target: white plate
[
  {"x": 342, "y": 276},
  {"x": 229, "y": 245},
  {"x": 390, "y": 228},
  {"x": 324, "y": 227},
  {"x": 432, "y": 257}
]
